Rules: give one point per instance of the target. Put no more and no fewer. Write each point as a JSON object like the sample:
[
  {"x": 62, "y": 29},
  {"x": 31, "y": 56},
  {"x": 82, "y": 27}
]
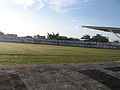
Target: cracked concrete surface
[{"x": 92, "y": 76}]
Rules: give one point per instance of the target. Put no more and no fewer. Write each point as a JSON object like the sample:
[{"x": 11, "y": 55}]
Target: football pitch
[{"x": 35, "y": 54}]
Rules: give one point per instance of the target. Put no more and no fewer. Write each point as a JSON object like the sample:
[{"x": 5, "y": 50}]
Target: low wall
[{"x": 109, "y": 45}]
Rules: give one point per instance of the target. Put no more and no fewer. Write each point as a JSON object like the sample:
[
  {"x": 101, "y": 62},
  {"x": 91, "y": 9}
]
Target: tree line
[
  {"x": 96, "y": 38},
  {"x": 87, "y": 37}
]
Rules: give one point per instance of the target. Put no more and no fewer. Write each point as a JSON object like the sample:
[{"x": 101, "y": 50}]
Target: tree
[
  {"x": 52, "y": 36},
  {"x": 99, "y": 38},
  {"x": 86, "y": 37},
  {"x": 62, "y": 38},
  {"x": 116, "y": 41},
  {"x": 28, "y": 36}
]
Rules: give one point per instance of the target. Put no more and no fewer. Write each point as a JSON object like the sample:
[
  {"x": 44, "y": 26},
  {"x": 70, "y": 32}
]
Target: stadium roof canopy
[{"x": 107, "y": 29}]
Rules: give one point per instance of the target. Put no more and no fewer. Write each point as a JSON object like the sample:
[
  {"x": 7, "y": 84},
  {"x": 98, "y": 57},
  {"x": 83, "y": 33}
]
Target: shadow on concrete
[
  {"x": 11, "y": 82},
  {"x": 114, "y": 69},
  {"x": 106, "y": 79}
]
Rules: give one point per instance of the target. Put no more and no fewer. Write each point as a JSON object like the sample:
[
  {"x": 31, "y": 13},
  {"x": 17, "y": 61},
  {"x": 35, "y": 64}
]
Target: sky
[{"x": 32, "y": 17}]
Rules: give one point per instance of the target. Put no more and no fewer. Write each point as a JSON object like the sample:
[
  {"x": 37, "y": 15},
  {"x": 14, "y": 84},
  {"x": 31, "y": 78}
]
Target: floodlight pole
[{"x": 114, "y": 33}]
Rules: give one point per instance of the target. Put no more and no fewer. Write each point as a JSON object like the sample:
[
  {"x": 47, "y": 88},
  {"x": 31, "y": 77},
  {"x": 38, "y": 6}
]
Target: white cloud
[
  {"x": 56, "y": 5},
  {"x": 41, "y": 5},
  {"x": 25, "y": 3},
  {"x": 65, "y": 5},
  {"x": 60, "y": 5}
]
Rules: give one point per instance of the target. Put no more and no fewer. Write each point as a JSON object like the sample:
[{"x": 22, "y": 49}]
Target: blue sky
[{"x": 31, "y": 17}]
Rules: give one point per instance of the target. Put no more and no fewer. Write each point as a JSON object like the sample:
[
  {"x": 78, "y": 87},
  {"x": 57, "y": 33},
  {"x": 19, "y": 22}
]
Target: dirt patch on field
[{"x": 99, "y": 76}]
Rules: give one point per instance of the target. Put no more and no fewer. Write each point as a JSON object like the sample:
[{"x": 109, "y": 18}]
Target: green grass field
[{"x": 27, "y": 54}]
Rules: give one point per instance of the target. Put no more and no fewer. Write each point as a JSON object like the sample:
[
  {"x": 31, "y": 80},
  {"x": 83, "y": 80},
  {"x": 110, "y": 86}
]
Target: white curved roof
[{"x": 107, "y": 29}]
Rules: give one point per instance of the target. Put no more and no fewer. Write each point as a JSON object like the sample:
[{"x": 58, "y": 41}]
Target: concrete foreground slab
[{"x": 97, "y": 76}]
